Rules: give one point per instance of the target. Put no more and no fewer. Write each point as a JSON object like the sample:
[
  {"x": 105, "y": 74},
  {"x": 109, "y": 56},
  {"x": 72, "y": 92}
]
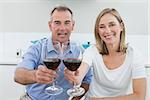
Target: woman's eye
[
  {"x": 113, "y": 24},
  {"x": 101, "y": 27}
]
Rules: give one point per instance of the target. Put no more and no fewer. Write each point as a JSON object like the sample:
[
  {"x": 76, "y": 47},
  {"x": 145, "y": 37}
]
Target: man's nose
[{"x": 62, "y": 27}]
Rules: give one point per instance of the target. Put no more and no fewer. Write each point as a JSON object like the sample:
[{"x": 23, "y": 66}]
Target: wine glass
[
  {"x": 53, "y": 63},
  {"x": 73, "y": 64}
]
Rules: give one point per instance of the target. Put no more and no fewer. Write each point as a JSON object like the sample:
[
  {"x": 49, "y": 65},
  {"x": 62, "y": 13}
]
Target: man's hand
[{"x": 44, "y": 75}]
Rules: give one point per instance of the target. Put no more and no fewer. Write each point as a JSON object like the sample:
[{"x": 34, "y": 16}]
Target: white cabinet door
[
  {"x": 148, "y": 83},
  {"x": 9, "y": 90}
]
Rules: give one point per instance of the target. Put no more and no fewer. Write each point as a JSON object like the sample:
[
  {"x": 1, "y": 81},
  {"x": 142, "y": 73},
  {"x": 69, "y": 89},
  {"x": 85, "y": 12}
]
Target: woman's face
[{"x": 110, "y": 29}]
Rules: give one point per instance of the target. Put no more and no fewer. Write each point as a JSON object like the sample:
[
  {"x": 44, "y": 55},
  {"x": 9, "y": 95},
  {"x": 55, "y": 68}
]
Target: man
[{"x": 31, "y": 71}]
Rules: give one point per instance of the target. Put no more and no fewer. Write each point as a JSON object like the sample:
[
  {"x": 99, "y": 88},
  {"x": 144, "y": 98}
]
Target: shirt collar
[{"x": 50, "y": 47}]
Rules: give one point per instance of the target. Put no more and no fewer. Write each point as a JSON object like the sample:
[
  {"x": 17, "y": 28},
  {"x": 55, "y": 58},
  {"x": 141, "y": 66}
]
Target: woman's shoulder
[
  {"x": 135, "y": 52},
  {"x": 92, "y": 50},
  {"x": 132, "y": 49}
]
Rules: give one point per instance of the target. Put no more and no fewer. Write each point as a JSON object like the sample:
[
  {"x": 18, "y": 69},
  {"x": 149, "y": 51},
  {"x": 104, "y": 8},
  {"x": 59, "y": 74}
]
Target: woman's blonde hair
[{"x": 99, "y": 42}]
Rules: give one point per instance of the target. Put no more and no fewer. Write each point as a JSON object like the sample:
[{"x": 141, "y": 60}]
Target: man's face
[{"x": 61, "y": 25}]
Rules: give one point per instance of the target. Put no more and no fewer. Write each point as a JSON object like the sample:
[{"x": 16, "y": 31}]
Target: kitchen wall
[
  {"x": 22, "y": 19},
  {"x": 33, "y": 15}
]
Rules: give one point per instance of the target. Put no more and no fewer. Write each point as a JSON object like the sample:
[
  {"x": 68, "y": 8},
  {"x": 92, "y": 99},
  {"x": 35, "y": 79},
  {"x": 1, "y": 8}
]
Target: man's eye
[
  {"x": 57, "y": 23},
  {"x": 67, "y": 23}
]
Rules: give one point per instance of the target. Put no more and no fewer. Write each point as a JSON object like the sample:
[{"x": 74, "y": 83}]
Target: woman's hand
[
  {"x": 76, "y": 98},
  {"x": 71, "y": 76},
  {"x": 92, "y": 98}
]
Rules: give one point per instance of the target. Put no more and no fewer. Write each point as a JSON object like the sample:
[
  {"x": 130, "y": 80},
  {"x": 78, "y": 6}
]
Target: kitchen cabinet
[
  {"x": 148, "y": 82},
  {"x": 9, "y": 90}
]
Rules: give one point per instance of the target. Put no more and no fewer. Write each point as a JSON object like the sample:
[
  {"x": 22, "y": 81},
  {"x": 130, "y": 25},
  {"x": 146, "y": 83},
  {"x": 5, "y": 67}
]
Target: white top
[{"x": 116, "y": 82}]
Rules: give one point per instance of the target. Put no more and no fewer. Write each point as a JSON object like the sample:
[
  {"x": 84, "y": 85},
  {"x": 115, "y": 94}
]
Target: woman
[{"x": 119, "y": 72}]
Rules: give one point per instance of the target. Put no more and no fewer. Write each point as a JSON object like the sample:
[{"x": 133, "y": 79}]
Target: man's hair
[{"x": 61, "y": 8}]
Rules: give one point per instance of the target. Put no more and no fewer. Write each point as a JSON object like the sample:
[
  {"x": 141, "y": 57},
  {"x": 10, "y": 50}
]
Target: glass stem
[
  {"x": 53, "y": 85},
  {"x": 75, "y": 86}
]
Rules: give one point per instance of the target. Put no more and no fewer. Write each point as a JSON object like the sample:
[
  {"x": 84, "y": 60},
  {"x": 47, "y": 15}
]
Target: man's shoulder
[
  {"x": 43, "y": 40},
  {"x": 39, "y": 44}
]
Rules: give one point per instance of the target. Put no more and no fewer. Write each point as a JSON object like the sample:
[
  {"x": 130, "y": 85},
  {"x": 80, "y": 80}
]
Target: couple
[{"x": 118, "y": 72}]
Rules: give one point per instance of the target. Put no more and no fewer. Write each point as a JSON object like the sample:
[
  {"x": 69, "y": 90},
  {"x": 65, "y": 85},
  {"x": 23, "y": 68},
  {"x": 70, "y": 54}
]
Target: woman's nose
[{"x": 107, "y": 30}]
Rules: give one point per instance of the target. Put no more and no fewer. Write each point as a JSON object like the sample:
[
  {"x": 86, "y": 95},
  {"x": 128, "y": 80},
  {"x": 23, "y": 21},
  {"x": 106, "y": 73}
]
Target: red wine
[
  {"x": 72, "y": 63},
  {"x": 52, "y": 63}
]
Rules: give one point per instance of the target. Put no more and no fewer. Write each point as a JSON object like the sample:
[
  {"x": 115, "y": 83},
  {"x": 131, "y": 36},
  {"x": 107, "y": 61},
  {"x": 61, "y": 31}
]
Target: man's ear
[
  {"x": 73, "y": 24},
  {"x": 49, "y": 24}
]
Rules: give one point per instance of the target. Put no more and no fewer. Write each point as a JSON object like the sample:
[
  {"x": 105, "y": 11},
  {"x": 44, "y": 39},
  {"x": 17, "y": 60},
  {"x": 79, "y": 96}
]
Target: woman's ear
[{"x": 122, "y": 26}]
